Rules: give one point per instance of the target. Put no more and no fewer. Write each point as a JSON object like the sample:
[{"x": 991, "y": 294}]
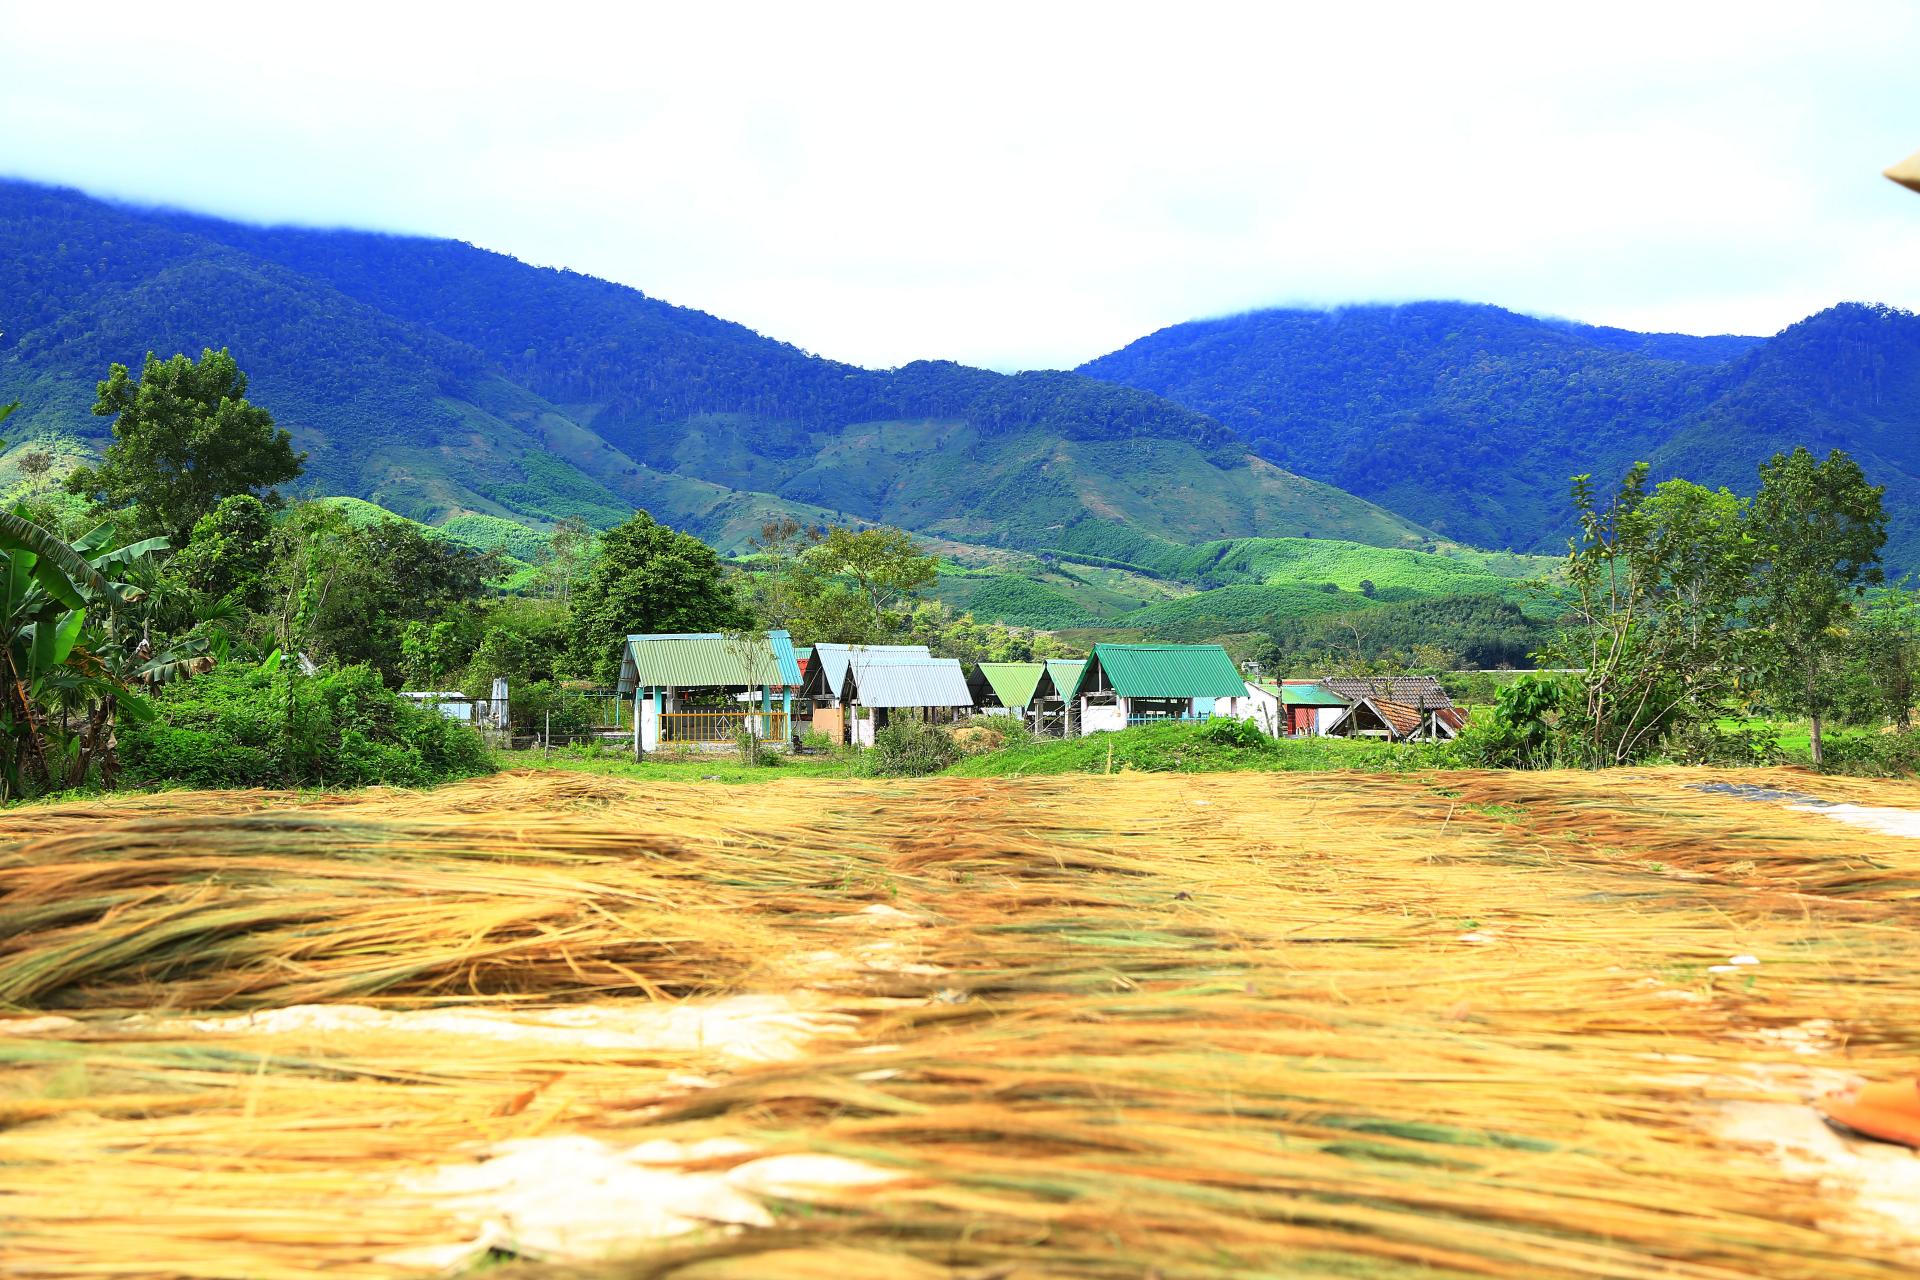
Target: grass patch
[{"x": 1194, "y": 748}]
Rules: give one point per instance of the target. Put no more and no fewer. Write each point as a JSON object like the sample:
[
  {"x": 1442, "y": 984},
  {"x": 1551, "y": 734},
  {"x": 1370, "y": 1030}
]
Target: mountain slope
[
  {"x": 439, "y": 379},
  {"x": 1471, "y": 419}
]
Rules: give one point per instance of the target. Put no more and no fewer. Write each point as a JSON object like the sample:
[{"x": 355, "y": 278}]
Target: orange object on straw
[{"x": 1889, "y": 1112}]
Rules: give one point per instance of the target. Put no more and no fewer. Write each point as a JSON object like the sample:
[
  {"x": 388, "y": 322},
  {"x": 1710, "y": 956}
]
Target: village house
[
  {"x": 1050, "y": 698},
  {"x": 707, "y": 687},
  {"x": 1131, "y": 684},
  {"x": 821, "y": 698},
  {"x": 1395, "y": 709},
  {"x": 882, "y": 687},
  {"x": 1007, "y": 688}
]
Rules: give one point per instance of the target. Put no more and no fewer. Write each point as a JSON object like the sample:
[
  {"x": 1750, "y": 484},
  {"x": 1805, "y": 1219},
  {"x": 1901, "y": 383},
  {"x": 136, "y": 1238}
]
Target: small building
[
  {"x": 1260, "y": 704},
  {"x": 1311, "y": 707},
  {"x": 821, "y": 691},
  {"x": 453, "y": 705},
  {"x": 1130, "y": 684},
  {"x": 880, "y": 688},
  {"x": 1050, "y": 700},
  {"x": 1006, "y": 688},
  {"x": 1398, "y": 722},
  {"x": 708, "y": 687}
]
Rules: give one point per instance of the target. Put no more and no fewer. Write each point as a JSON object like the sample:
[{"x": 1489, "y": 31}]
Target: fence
[
  {"x": 723, "y": 725},
  {"x": 1154, "y": 717}
]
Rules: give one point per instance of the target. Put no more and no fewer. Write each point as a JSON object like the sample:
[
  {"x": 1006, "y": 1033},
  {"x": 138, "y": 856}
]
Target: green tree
[
  {"x": 1656, "y": 582},
  {"x": 1817, "y": 530},
  {"x": 229, "y": 553},
  {"x": 1885, "y": 655},
  {"x": 851, "y": 584},
  {"x": 648, "y": 578},
  {"x": 184, "y": 438},
  {"x": 568, "y": 554}
]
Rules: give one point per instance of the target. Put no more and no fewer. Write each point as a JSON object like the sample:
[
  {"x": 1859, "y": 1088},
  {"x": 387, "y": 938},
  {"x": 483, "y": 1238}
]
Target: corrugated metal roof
[
  {"x": 692, "y": 660},
  {"x": 1425, "y": 693},
  {"x": 893, "y": 681},
  {"x": 1311, "y": 695},
  {"x": 1167, "y": 671},
  {"x": 831, "y": 661},
  {"x": 1065, "y": 673},
  {"x": 1013, "y": 683}
]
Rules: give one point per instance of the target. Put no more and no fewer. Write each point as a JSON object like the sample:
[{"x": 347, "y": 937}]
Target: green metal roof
[
  {"x": 1166, "y": 671},
  {"x": 1065, "y": 674},
  {"x": 707, "y": 659},
  {"x": 1013, "y": 683},
  {"x": 1311, "y": 695}
]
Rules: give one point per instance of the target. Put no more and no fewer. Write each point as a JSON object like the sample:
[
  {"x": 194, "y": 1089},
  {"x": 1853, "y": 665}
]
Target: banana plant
[{"x": 63, "y": 651}]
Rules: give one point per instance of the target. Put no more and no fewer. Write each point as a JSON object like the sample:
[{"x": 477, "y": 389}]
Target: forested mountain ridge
[
  {"x": 437, "y": 378},
  {"x": 1471, "y": 419}
]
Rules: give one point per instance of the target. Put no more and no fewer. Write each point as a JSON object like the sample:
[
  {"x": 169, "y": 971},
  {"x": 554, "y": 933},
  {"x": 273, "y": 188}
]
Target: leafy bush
[
  {"x": 1701, "y": 743},
  {"x": 911, "y": 749},
  {"x": 530, "y": 705},
  {"x": 248, "y": 727},
  {"x": 1244, "y": 734},
  {"x": 1873, "y": 755}
]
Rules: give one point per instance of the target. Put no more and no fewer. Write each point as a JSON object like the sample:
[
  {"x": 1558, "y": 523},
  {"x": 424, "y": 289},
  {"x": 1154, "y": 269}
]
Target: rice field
[{"x": 1341, "y": 1025}]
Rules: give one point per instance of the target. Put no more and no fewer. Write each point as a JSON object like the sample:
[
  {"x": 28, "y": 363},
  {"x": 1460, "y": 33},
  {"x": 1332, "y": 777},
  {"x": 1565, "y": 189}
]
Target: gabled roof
[
  {"x": 827, "y": 672},
  {"x": 1402, "y": 720},
  {"x": 1422, "y": 692},
  {"x": 1165, "y": 671},
  {"x": 894, "y": 681},
  {"x": 691, "y": 660},
  {"x": 1449, "y": 721},
  {"x": 1311, "y": 695},
  {"x": 1065, "y": 674},
  {"x": 1013, "y": 683}
]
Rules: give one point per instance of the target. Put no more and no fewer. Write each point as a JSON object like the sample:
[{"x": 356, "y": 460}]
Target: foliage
[
  {"x": 1656, "y": 583},
  {"x": 345, "y": 594},
  {"x": 543, "y": 706},
  {"x": 71, "y": 656},
  {"x": 240, "y": 726},
  {"x": 910, "y": 748},
  {"x": 184, "y": 437},
  {"x": 1188, "y": 747},
  {"x": 1874, "y": 755},
  {"x": 648, "y": 579},
  {"x": 1480, "y": 631},
  {"x": 881, "y": 566},
  {"x": 229, "y": 553},
  {"x": 960, "y": 635},
  {"x": 1881, "y": 678},
  {"x": 1817, "y": 529}
]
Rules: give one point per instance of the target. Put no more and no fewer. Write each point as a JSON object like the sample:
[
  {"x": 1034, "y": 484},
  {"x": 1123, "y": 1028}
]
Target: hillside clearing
[{"x": 1427, "y": 1024}]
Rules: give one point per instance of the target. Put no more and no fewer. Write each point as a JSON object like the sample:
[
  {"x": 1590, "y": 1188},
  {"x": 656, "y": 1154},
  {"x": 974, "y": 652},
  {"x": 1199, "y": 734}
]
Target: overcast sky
[{"x": 1031, "y": 185}]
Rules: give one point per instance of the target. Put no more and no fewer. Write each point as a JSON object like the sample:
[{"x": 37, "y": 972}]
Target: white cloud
[{"x": 1022, "y": 185}]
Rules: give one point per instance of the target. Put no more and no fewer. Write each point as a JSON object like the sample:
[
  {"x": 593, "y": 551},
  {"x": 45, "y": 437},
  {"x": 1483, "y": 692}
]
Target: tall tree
[
  {"x": 857, "y": 580},
  {"x": 648, "y": 578},
  {"x": 185, "y": 437},
  {"x": 1656, "y": 581},
  {"x": 564, "y": 562},
  {"x": 1817, "y": 530}
]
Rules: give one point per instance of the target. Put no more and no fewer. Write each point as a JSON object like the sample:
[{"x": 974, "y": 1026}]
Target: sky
[{"x": 1031, "y": 185}]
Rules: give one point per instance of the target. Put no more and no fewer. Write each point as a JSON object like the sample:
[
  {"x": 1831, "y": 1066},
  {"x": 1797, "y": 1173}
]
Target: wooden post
[{"x": 546, "y": 739}]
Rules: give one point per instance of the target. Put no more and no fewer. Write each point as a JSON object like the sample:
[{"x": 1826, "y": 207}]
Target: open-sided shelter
[
  {"x": 880, "y": 688},
  {"x": 1006, "y": 688},
  {"x": 822, "y": 690},
  {"x": 708, "y": 686},
  {"x": 1129, "y": 684}
]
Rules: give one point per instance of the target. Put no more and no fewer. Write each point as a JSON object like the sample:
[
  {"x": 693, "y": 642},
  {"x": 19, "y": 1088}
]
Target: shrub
[
  {"x": 248, "y": 727},
  {"x": 1241, "y": 734},
  {"x": 1701, "y": 743},
  {"x": 1873, "y": 755},
  {"x": 911, "y": 749},
  {"x": 531, "y": 704}
]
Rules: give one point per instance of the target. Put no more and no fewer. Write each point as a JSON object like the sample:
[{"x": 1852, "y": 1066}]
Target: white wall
[
  {"x": 1323, "y": 718},
  {"x": 1098, "y": 719},
  {"x": 649, "y": 726}
]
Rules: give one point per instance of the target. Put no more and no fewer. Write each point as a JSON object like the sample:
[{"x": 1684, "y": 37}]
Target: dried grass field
[{"x": 1140, "y": 1026}]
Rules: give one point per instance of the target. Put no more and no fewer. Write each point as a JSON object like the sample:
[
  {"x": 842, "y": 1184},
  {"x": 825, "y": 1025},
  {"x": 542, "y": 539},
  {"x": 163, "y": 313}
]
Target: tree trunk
[{"x": 1813, "y": 716}]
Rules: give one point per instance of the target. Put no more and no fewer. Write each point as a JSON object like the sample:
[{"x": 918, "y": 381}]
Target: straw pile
[{"x": 1455, "y": 1025}]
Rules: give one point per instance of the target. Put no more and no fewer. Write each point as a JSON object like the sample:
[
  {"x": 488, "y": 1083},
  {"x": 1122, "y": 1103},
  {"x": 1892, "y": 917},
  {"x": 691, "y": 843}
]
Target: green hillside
[
  {"x": 444, "y": 381},
  {"x": 1471, "y": 420}
]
